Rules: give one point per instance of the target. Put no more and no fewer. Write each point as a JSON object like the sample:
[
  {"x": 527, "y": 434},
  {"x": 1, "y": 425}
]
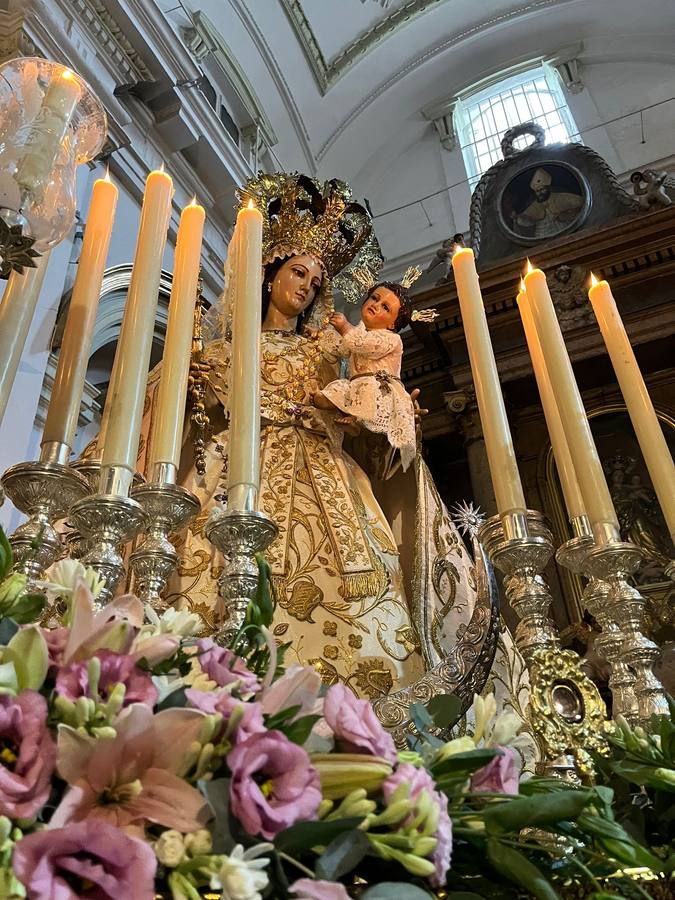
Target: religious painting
[{"x": 543, "y": 201}]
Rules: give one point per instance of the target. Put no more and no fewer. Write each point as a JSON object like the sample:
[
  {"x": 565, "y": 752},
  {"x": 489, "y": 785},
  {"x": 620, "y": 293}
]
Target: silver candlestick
[
  {"x": 44, "y": 491},
  {"x": 105, "y": 520},
  {"x": 238, "y": 535},
  {"x": 614, "y": 561},
  {"x": 565, "y": 710},
  {"x": 168, "y": 508},
  {"x": 596, "y": 599}
]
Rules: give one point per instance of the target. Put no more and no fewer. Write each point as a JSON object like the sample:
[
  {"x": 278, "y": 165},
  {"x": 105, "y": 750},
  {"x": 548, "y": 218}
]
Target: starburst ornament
[
  {"x": 467, "y": 517},
  {"x": 16, "y": 249}
]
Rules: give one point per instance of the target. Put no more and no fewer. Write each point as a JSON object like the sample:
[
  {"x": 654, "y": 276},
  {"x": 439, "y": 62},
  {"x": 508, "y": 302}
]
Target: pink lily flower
[
  {"x": 298, "y": 686},
  {"x": 136, "y": 777},
  {"x": 112, "y": 628}
]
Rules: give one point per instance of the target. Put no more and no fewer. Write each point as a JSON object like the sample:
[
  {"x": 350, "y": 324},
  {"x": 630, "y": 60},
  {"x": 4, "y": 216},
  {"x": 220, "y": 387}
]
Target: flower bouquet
[{"x": 139, "y": 760}]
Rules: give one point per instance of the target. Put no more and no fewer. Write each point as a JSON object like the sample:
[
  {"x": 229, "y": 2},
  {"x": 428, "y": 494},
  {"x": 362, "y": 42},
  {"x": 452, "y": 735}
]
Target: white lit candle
[
  {"x": 64, "y": 406},
  {"x": 17, "y": 308},
  {"x": 587, "y": 465},
  {"x": 244, "y": 443},
  {"x": 126, "y": 394},
  {"x": 568, "y": 479},
  {"x": 48, "y": 130},
  {"x": 640, "y": 408},
  {"x": 165, "y": 438},
  {"x": 498, "y": 444}
]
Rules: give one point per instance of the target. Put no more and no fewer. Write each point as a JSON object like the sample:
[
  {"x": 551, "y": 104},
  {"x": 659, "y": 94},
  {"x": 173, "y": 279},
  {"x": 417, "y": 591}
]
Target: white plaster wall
[{"x": 408, "y": 169}]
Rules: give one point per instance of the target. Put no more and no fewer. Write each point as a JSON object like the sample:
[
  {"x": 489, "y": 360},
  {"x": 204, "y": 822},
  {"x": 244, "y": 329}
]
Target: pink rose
[
  {"x": 223, "y": 667},
  {"x": 88, "y": 859},
  {"x": 116, "y": 668},
  {"x": 500, "y": 776},
  {"x": 308, "y": 889},
  {"x": 27, "y": 755},
  {"x": 355, "y": 725},
  {"x": 211, "y": 702},
  {"x": 273, "y": 784}
]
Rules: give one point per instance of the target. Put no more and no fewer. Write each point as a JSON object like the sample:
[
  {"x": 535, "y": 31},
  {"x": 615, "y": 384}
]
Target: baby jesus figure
[{"x": 373, "y": 394}]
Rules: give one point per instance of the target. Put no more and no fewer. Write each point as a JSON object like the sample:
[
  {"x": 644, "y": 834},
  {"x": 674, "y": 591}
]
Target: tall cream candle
[
  {"x": 56, "y": 111},
  {"x": 244, "y": 459},
  {"x": 498, "y": 444},
  {"x": 64, "y": 406},
  {"x": 132, "y": 361},
  {"x": 587, "y": 465},
  {"x": 17, "y": 309},
  {"x": 568, "y": 479},
  {"x": 649, "y": 433},
  {"x": 165, "y": 439}
]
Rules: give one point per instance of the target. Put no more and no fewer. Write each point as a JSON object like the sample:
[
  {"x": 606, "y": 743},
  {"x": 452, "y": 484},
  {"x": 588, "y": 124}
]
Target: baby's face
[{"x": 380, "y": 309}]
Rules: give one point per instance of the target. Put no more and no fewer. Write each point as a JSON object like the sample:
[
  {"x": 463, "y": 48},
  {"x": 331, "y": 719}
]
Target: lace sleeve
[
  {"x": 374, "y": 344},
  {"x": 331, "y": 343}
]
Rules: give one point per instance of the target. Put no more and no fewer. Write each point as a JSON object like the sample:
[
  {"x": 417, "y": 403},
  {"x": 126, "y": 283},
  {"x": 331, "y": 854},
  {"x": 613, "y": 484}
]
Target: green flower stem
[{"x": 294, "y": 862}]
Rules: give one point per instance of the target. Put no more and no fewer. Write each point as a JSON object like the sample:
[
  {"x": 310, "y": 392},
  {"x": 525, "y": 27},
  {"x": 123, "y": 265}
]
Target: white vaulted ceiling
[{"x": 344, "y": 82}]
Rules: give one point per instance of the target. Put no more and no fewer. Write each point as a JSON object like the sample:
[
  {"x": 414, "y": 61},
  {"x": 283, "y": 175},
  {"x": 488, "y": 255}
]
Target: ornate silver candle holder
[
  {"x": 614, "y": 561},
  {"x": 168, "y": 508},
  {"x": 596, "y": 599},
  {"x": 565, "y": 711},
  {"x": 238, "y": 535},
  {"x": 107, "y": 520},
  {"x": 44, "y": 491}
]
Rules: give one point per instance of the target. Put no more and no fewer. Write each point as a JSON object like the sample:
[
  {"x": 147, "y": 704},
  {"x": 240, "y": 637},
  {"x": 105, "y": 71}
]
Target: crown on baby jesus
[{"x": 368, "y": 279}]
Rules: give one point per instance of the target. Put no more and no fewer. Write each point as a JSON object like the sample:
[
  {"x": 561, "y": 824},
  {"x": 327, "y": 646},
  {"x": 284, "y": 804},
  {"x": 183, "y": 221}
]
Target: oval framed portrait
[{"x": 542, "y": 201}]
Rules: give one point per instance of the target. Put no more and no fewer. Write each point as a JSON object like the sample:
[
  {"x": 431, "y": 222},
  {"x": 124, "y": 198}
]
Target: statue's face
[
  {"x": 295, "y": 285},
  {"x": 542, "y": 193},
  {"x": 380, "y": 309}
]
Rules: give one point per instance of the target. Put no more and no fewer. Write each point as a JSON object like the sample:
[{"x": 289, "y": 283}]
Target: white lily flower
[
  {"x": 241, "y": 876},
  {"x": 63, "y": 577},
  {"x": 172, "y": 621},
  {"x": 484, "y": 710}
]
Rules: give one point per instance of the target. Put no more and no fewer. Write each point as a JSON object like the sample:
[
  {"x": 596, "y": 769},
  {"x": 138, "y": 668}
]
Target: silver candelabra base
[
  {"x": 44, "y": 491},
  {"x": 168, "y": 508},
  {"x": 239, "y": 536},
  {"x": 565, "y": 711}
]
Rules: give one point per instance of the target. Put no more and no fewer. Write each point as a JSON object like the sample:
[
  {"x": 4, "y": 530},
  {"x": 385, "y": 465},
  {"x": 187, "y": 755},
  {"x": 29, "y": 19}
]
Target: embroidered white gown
[{"x": 374, "y": 393}]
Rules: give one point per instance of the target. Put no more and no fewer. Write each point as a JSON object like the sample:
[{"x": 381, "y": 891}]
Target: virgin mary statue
[{"x": 374, "y": 586}]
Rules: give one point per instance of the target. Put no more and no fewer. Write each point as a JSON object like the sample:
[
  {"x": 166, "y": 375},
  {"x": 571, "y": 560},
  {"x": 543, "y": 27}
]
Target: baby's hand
[{"x": 340, "y": 323}]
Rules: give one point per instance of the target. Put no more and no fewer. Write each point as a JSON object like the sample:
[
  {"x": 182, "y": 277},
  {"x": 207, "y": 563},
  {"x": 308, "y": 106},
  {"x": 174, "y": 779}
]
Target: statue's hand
[{"x": 420, "y": 411}]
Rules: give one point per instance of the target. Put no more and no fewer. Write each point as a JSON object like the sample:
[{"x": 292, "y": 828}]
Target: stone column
[
  {"x": 13, "y": 41},
  {"x": 463, "y": 410}
]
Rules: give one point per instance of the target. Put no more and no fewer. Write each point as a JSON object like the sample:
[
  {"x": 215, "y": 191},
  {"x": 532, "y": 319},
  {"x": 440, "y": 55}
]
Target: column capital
[
  {"x": 442, "y": 117},
  {"x": 14, "y": 41},
  {"x": 463, "y": 410}
]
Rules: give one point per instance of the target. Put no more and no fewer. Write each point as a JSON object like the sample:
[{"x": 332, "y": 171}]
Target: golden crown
[{"x": 302, "y": 216}]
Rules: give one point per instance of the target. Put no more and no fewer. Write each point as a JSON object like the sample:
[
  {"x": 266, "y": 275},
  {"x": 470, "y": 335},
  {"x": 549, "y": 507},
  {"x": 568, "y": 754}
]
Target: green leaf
[
  {"x": 299, "y": 731},
  {"x": 388, "y": 890},
  {"x": 342, "y": 855},
  {"x": 515, "y": 866},
  {"x": 8, "y": 628},
  {"x": 278, "y": 719},
  {"x": 445, "y": 710},
  {"x": 217, "y": 793},
  {"x": 421, "y": 718},
  {"x": 306, "y": 835},
  {"x": 6, "y": 556},
  {"x": 463, "y": 762},
  {"x": 28, "y": 651},
  {"x": 28, "y": 608},
  {"x": 540, "y": 810}
]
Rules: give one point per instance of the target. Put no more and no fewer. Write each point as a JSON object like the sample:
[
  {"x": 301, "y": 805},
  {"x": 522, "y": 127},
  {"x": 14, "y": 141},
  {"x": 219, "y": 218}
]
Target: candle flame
[
  {"x": 161, "y": 168},
  {"x": 68, "y": 74},
  {"x": 529, "y": 268},
  {"x": 193, "y": 202},
  {"x": 594, "y": 280},
  {"x": 251, "y": 204},
  {"x": 106, "y": 177},
  {"x": 523, "y": 287}
]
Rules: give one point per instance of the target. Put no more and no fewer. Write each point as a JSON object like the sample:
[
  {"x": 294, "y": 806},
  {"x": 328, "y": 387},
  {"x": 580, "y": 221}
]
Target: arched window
[{"x": 482, "y": 118}]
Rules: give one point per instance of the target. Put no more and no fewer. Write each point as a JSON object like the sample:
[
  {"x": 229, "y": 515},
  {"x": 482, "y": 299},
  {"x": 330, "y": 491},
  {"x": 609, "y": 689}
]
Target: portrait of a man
[{"x": 543, "y": 201}]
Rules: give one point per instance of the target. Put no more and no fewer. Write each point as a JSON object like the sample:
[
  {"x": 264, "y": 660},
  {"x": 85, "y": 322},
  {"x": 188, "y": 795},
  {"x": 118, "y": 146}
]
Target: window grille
[{"x": 482, "y": 118}]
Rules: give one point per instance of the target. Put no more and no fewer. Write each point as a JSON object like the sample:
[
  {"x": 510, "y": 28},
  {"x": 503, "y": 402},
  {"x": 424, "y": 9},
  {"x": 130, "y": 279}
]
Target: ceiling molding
[
  {"x": 256, "y": 35},
  {"x": 521, "y": 11},
  {"x": 328, "y": 73}
]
